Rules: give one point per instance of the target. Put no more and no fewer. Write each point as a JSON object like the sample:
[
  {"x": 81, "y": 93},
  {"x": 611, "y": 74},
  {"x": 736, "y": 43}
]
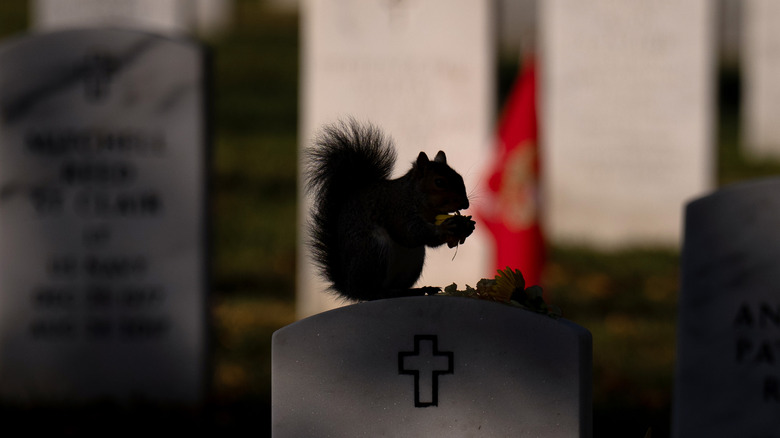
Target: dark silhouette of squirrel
[{"x": 368, "y": 233}]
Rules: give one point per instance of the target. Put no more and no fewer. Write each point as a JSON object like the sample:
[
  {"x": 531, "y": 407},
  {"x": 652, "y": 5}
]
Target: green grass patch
[{"x": 628, "y": 301}]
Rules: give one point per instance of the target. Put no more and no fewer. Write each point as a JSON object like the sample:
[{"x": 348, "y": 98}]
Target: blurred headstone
[
  {"x": 164, "y": 16},
  {"x": 431, "y": 366},
  {"x": 102, "y": 217},
  {"x": 423, "y": 72},
  {"x": 729, "y": 29},
  {"x": 213, "y": 17},
  {"x": 627, "y": 118},
  {"x": 517, "y": 21},
  {"x": 727, "y": 379},
  {"x": 761, "y": 78}
]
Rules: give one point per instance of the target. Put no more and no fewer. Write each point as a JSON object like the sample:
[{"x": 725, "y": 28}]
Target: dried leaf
[{"x": 508, "y": 287}]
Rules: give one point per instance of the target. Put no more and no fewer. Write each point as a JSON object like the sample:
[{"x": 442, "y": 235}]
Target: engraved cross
[
  {"x": 98, "y": 70},
  {"x": 426, "y": 363}
]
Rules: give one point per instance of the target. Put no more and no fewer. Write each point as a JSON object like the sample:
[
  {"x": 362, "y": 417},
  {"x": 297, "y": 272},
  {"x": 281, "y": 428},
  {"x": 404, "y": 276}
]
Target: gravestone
[
  {"x": 167, "y": 16},
  {"x": 431, "y": 366},
  {"x": 626, "y": 118},
  {"x": 517, "y": 23},
  {"x": 728, "y": 352},
  {"x": 760, "y": 69},
  {"x": 422, "y": 71},
  {"x": 213, "y": 17},
  {"x": 102, "y": 217},
  {"x": 729, "y": 28}
]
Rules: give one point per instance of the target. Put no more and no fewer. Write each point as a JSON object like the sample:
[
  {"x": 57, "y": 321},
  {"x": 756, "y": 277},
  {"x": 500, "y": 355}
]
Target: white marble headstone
[
  {"x": 168, "y": 16},
  {"x": 102, "y": 217},
  {"x": 213, "y": 17},
  {"x": 431, "y": 366},
  {"x": 626, "y": 116},
  {"x": 422, "y": 71},
  {"x": 761, "y": 78},
  {"x": 728, "y": 356}
]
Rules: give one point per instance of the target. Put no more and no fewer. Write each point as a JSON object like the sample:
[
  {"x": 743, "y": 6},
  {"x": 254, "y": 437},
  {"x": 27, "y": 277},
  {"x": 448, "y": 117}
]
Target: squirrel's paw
[
  {"x": 419, "y": 291},
  {"x": 430, "y": 290},
  {"x": 457, "y": 229}
]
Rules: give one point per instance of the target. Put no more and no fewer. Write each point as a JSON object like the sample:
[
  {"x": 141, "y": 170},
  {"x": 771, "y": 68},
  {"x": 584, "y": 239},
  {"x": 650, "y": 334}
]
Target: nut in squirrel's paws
[
  {"x": 459, "y": 227},
  {"x": 440, "y": 218}
]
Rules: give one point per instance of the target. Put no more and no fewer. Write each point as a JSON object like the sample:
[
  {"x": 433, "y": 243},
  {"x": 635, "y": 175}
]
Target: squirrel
[{"x": 368, "y": 232}]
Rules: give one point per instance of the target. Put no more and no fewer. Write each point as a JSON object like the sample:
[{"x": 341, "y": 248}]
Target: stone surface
[
  {"x": 102, "y": 217},
  {"x": 214, "y": 17},
  {"x": 431, "y": 366},
  {"x": 423, "y": 72},
  {"x": 169, "y": 16},
  {"x": 761, "y": 69},
  {"x": 727, "y": 377},
  {"x": 626, "y": 116}
]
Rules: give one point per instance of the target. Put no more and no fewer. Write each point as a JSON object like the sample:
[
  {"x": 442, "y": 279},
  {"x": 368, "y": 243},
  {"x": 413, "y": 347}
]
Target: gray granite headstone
[
  {"x": 728, "y": 359},
  {"x": 431, "y": 366},
  {"x": 102, "y": 217}
]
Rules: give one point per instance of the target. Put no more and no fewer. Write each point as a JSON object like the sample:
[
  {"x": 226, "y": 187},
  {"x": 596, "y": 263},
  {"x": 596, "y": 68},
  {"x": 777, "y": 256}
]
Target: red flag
[{"x": 511, "y": 210}]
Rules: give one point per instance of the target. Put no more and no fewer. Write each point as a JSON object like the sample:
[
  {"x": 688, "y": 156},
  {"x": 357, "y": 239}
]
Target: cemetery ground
[{"x": 627, "y": 299}]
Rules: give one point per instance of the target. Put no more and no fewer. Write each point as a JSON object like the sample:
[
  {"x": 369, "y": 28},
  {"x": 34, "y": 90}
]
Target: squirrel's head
[{"x": 442, "y": 187}]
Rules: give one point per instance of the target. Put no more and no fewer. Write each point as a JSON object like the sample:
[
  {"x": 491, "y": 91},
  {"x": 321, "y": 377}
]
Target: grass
[{"x": 626, "y": 299}]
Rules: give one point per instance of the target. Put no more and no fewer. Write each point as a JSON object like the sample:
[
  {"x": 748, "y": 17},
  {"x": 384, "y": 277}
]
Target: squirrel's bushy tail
[{"x": 348, "y": 157}]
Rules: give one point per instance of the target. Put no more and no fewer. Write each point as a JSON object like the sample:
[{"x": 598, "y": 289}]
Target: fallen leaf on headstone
[{"x": 507, "y": 287}]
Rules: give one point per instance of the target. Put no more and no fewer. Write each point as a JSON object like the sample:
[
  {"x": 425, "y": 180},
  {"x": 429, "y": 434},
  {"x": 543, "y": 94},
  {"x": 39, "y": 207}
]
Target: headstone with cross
[
  {"x": 431, "y": 366},
  {"x": 102, "y": 217}
]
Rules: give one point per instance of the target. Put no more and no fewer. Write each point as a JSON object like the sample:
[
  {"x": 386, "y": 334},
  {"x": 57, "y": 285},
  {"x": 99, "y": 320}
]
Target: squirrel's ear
[
  {"x": 441, "y": 158},
  {"x": 422, "y": 159}
]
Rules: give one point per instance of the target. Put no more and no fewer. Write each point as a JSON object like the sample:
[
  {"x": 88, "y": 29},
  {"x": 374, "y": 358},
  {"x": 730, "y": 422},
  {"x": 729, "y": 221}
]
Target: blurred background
[{"x": 626, "y": 298}]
